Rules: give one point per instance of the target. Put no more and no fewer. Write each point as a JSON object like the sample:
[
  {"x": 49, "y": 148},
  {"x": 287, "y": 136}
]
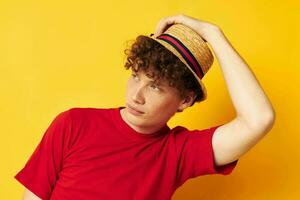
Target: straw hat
[{"x": 190, "y": 48}]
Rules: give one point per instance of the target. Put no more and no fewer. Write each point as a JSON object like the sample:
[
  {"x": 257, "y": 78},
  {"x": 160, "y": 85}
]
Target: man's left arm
[{"x": 255, "y": 114}]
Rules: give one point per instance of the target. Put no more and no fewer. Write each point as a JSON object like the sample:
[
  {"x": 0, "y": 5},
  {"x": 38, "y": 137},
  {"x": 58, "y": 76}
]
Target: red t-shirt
[{"x": 92, "y": 153}]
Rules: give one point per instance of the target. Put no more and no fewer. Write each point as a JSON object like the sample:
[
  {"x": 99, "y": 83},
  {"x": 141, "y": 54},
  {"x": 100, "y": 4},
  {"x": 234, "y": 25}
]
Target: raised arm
[
  {"x": 249, "y": 100},
  {"x": 255, "y": 114}
]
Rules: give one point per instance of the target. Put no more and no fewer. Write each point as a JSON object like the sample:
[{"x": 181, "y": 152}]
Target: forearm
[{"x": 249, "y": 99}]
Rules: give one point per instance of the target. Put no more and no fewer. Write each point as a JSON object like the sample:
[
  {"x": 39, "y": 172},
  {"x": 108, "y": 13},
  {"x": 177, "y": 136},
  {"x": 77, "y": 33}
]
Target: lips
[{"x": 135, "y": 109}]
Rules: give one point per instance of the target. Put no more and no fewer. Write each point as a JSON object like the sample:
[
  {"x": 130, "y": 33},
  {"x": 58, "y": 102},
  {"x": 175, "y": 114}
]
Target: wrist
[{"x": 212, "y": 33}]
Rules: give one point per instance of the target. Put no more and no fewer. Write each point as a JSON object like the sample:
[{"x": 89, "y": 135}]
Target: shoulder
[
  {"x": 88, "y": 116},
  {"x": 77, "y": 111},
  {"x": 81, "y": 113},
  {"x": 179, "y": 130},
  {"x": 81, "y": 123},
  {"x": 182, "y": 132}
]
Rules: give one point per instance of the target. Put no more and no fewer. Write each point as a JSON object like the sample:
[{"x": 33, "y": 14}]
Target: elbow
[
  {"x": 265, "y": 122},
  {"x": 269, "y": 118},
  {"x": 268, "y": 124}
]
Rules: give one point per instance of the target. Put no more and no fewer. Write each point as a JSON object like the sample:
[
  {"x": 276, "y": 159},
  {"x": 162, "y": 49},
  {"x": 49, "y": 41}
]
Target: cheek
[
  {"x": 129, "y": 87},
  {"x": 164, "y": 103}
]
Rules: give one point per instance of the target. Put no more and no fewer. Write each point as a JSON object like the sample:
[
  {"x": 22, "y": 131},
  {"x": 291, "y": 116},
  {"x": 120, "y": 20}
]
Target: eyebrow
[
  {"x": 152, "y": 80},
  {"x": 160, "y": 83}
]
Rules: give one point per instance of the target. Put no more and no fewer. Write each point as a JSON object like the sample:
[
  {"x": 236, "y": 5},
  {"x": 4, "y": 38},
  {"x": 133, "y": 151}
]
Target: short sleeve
[
  {"x": 196, "y": 156},
  {"x": 42, "y": 169}
]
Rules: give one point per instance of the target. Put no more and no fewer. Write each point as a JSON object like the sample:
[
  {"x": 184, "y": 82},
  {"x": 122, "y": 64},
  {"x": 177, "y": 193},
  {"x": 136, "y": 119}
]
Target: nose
[{"x": 137, "y": 96}]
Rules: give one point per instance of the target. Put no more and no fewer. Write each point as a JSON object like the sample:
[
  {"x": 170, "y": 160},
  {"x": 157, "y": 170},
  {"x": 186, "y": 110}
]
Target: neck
[{"x": 140, "y": 129}]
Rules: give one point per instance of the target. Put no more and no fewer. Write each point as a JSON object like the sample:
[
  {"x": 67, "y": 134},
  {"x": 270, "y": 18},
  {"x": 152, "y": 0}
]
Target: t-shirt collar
[{"x": 124, "y": 127}]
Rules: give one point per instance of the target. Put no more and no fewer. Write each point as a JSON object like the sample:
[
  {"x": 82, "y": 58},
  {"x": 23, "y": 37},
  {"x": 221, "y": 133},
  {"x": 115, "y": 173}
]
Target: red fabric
[{"x": 92, "y": 153}]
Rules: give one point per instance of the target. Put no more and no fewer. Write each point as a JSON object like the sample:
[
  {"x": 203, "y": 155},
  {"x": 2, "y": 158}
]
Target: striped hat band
[{"x": 190, "y": 48}]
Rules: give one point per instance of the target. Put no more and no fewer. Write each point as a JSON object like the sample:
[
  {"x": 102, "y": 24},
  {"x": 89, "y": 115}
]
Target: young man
[{"x": 130, "y": 152}]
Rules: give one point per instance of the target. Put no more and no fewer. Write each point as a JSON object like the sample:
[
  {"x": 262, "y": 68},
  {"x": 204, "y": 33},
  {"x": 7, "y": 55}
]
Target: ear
[{"x": 187, "y": 101}]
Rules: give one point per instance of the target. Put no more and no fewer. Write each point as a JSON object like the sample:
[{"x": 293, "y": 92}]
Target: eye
[
  {"x": 155, "y": 87},
  {"x": 134, "y": 76}
]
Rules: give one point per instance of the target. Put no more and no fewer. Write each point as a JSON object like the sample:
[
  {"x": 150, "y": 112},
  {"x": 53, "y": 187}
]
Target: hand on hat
[{"x": 203, "y": 28}]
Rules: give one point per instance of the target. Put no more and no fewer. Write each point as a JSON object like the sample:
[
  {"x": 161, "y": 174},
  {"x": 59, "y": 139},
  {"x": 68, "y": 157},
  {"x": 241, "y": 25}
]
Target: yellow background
[{"x": 55, "y": 55}]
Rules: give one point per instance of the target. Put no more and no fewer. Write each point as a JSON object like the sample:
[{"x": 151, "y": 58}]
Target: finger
[
  {"x": 164, "y": 24},
  {"x": 158, "y": 27}
]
